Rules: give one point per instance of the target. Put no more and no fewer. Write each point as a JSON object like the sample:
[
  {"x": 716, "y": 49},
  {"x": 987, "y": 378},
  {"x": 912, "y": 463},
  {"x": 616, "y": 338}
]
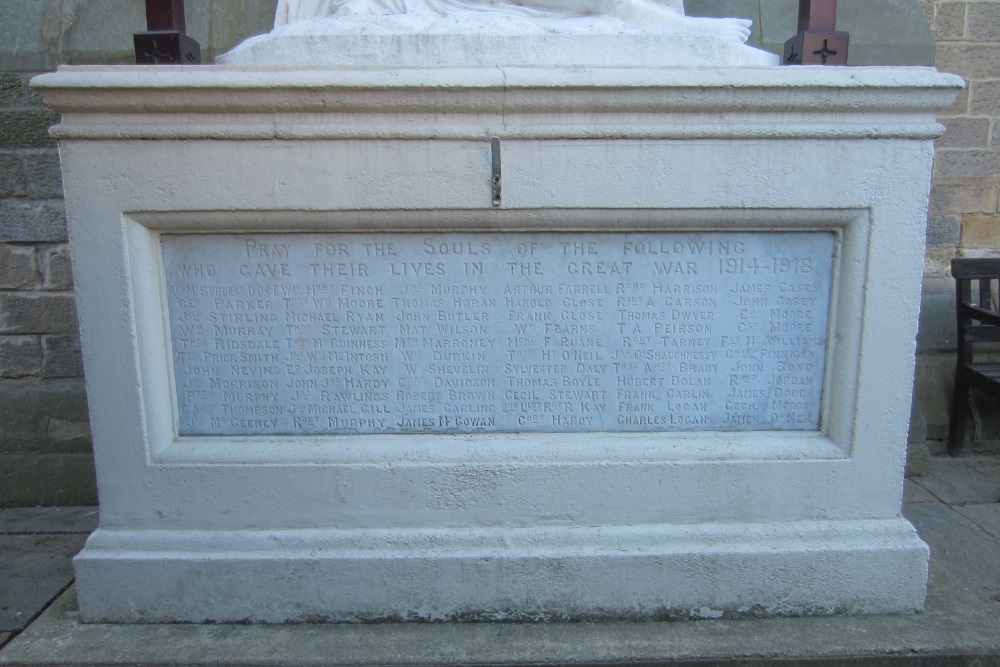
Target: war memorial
[{"x": 451, "y": 310}]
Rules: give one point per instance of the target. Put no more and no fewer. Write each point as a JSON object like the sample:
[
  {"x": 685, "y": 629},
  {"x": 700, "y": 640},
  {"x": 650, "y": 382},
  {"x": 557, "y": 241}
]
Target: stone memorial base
[{"x": 498, "y": 344}]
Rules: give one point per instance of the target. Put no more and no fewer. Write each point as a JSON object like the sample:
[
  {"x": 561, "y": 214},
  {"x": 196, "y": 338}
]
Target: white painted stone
[
  {"x": 454, "y": 33},
  {"x": 508, "y": 17},
  {"x": 429, "y": 525},
  {"x": 636, "y": 12}
]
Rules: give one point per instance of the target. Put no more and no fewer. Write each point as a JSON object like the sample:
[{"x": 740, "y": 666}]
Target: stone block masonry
[
  {"x": 967, "y": 171},
  {"x": 964, "y": 216},
  {"x": 45, "y": 449}
]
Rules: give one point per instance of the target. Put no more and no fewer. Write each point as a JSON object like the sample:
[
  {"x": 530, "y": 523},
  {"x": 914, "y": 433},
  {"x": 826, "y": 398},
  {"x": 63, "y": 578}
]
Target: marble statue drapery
[{"x": 650, "y": 13}]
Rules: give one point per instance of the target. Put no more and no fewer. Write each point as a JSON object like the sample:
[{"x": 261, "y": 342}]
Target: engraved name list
[{"x": 497, "y": 332}]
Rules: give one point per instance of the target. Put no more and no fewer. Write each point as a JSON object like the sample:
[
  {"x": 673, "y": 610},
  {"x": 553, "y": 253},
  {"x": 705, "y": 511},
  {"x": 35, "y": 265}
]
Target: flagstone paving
[{"x": 955, "y": 509}]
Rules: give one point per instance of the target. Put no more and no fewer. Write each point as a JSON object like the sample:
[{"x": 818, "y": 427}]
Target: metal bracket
[{"x": 495, "y": 149}]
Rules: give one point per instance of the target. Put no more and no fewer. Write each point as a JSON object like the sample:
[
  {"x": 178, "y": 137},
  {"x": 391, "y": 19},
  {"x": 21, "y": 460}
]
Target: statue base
[{"x": 480, "y": 40}]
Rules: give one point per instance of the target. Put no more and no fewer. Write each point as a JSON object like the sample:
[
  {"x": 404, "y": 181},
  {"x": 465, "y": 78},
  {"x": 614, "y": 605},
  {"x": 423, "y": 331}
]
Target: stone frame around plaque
[{"x": 164, "y": 446}]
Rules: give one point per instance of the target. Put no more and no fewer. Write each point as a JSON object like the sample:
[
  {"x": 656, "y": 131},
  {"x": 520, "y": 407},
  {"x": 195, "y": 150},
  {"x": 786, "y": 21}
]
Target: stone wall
[
  {"x": 44, "y": 438},
  {"x": 45, "y": 448},
  {"x": 964, "y": 219},
  {"x": 44, "y": 443}
]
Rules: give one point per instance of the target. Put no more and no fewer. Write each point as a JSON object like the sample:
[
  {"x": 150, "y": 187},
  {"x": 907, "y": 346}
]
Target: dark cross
[
  {"x": 825, "y": 52},
  {"x": 156, "y": 54},
  {"x": 165, "y": 41},
  {"x": 818, "y": 42}
]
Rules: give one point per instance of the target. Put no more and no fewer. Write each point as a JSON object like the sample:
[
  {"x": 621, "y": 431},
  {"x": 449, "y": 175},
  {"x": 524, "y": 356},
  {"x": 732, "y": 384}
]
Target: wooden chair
[{"x": 977, "y": 289}]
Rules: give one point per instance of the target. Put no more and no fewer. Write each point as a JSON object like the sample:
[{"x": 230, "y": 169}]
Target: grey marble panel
[{"x": 497, "y": 332}]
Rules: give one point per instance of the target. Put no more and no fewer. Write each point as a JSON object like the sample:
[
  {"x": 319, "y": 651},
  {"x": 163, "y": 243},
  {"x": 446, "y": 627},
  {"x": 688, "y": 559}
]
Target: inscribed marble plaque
[{"x": 497, "y": 332}]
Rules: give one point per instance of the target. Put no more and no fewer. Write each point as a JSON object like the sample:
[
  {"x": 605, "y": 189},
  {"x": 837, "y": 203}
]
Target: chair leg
[
  {"x": 977, "y": 421},
  {"x": 956, "y": 426}
]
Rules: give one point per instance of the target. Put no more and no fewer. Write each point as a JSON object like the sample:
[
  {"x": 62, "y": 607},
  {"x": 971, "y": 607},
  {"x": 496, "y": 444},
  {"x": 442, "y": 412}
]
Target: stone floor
[
  {"x": 956, "y": 509},
  {"x": 36, "y": 546}
]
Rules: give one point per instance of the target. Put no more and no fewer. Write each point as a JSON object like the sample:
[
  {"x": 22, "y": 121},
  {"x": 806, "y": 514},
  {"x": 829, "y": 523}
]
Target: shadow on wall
[
  {"x": 883, "y": 32},
  {"x": 38, "y": 35}
]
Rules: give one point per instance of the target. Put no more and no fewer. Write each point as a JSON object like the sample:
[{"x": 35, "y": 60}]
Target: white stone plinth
[{"x": 245, "y": 524}]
